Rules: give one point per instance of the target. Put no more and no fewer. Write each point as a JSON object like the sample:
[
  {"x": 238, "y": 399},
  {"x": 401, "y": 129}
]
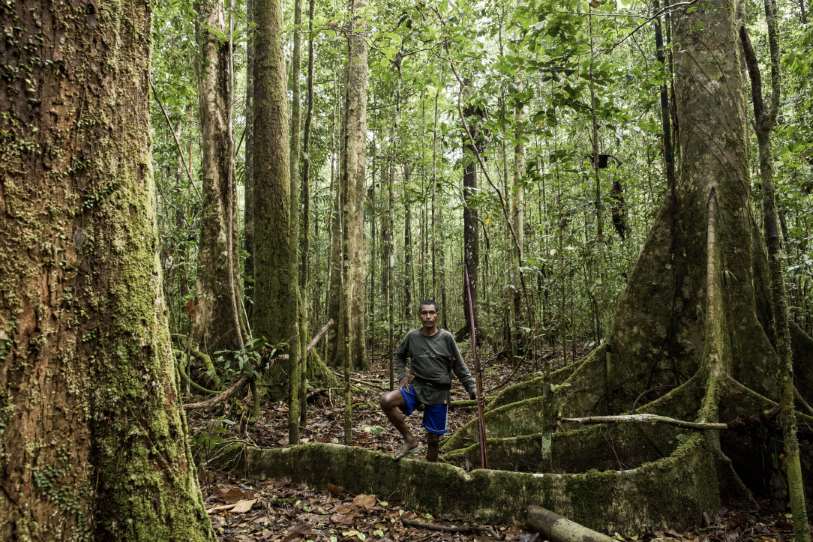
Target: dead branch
[
  {"x": 222, "y": 396},
  {"x": 646, "y": 418},
  {"x": 314, "y": 341}
]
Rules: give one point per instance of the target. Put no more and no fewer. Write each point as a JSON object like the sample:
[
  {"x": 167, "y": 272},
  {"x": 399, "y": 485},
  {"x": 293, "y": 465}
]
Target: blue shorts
[{"x": 434, "y": 416}]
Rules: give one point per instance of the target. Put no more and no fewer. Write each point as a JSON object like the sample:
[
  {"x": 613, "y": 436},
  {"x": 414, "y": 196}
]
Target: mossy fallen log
[{"x": 668, "y": 492}]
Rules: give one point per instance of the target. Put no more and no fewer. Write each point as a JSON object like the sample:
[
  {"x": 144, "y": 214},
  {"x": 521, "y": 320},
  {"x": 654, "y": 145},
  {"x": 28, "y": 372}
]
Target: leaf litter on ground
[{"x": 281, "y": 510}]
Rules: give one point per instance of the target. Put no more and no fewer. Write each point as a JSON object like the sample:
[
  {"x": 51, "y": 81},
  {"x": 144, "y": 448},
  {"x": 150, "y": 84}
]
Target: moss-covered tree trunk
[
  {"x": 693, "y": 334},
  {"x": 215, "y": 322},
  {"x": 765, "y": 120},
  {"x": 272, "y": 191},
  {"x": 297, "y": 345},
  {"x": 92, "y": 440},
  {"x": 354, "y": 258}
]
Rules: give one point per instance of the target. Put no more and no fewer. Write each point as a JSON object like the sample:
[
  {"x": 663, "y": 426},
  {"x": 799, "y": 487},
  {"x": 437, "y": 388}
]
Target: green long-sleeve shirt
[{"x": 432, "y": 360}]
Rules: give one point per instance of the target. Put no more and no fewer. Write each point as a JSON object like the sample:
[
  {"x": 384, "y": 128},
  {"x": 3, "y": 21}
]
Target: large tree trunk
[
  {"x": 692, "y": 336},
  {"x": 272, "y": 188},
  {"x": 215, "y": 322},
  {"x": 92, "y": 438}
]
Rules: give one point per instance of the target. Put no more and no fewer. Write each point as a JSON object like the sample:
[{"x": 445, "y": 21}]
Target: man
[{"x": 434, "y": 356}]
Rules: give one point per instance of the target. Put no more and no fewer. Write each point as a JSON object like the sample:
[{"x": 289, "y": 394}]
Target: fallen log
[
  {"x": 673, "y": 490},
  {"x": 560, "y": 529}
]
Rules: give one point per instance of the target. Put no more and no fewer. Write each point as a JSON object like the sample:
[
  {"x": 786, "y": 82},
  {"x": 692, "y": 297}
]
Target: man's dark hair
[{"x": 428, "y": 302}]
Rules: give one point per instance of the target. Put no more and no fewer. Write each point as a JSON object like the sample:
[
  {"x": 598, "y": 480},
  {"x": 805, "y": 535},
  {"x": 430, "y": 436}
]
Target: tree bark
[
  {"x": 93, "y": 443},
  {"x": 471, "y": 236},
  {"x": 765, "y": 121},
  {"x": 296, "y": 346},
  {"x": 215, "y": 320},
  {"x": 409, "y": 269},
  {"x": 248, "y": 188},
  {"x": 272, "y": 190},
  {"x": 518, "y": 209},
  {"x": 353, "y": 192}
]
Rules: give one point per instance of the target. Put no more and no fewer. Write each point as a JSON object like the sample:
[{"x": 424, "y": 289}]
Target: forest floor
[{"x": 279, "y": 510}]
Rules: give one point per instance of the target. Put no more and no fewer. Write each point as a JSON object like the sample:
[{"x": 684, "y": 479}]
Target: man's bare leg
[{"x": 392, "y": 403}]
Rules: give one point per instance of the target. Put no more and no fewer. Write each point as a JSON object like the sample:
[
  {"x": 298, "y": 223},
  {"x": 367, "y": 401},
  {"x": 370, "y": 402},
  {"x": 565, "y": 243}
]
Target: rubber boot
[{"x": 432, "y": 447}]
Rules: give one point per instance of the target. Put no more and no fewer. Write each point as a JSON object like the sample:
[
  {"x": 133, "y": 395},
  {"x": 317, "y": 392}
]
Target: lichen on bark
[{"x": 93, "y": 442}]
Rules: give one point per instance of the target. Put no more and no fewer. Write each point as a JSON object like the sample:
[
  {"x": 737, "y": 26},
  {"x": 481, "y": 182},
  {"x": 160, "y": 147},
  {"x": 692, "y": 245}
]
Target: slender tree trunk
[
  {"x": 518, "y": 208},
  {"x": 248, "y": 191},
  {"x": 594, "y": 135},
  {"x": 272, "y": 183},
  {"x": 297, "y": 322},
  {"x": 409, "y": 271},
  {"x": 471, "y": 244},
  {"x": 304, "y": 244},
  {"x": 387, "y": 257},
  {"x": 335, "y": 338},
  {"x": 91, "y": 429},
  {"x": 765, "y": 118},
  {"x": 215, "y": 322},
  {"x": 372, "y": 201},
  {"x": 353, "y": 182}
]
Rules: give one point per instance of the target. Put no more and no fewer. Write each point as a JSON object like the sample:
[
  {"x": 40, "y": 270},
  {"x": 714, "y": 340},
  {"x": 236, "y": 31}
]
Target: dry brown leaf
[
  {"x": 364, "y": 501},
  {"x": 233, "y": 494},
  {"x": 336, "y": 491},
  {"x": 243, "y": 506},
  {"x": 343, "y": 519},
  {"x": 297, "y": 531}
]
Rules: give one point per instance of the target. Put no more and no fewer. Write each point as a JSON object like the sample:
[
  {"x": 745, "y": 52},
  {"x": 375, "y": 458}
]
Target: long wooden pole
[{"x": 478, "y": 376}]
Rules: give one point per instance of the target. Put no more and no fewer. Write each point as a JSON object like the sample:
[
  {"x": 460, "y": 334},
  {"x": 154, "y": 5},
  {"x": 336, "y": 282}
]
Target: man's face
[{"x": 428, "y": 315}]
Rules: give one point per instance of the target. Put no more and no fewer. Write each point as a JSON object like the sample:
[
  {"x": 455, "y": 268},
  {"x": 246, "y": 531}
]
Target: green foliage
[{"x": 543, "y": 56}]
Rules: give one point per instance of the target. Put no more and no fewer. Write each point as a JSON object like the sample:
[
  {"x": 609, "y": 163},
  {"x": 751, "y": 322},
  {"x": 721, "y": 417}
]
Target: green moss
[
  {"x": 629, "y": 501},
  {"x": 522, "y": 417}
]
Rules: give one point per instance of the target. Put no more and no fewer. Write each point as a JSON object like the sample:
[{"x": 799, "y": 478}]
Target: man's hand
[
  {"x": 473, "y": 395},
  {"x": 404, "y": 382}
]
